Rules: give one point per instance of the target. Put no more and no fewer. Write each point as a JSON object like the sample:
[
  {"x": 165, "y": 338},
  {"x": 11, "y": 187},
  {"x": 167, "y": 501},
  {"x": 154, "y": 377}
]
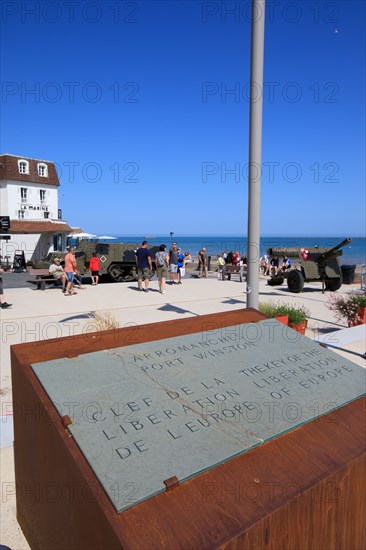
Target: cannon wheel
[
  {"x": 116, "y": 272},
  {"x": 295, "y": 281},
  {"x": 334, "y": 284},
  {"x": 151, "y": 275},
  {"x": 275, "y": 280},
  {"x": 121, "y": 273}
]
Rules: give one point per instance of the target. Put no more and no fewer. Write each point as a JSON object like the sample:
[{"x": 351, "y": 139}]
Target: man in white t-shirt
[{"x": 57, "y": 272}]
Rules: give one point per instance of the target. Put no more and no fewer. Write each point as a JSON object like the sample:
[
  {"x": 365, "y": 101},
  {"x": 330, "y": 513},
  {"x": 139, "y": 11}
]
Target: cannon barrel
[
  {"x": 294, "y": 252},
  {"x": 333, "y": 252},
  {"x": 291, "y": 251}
]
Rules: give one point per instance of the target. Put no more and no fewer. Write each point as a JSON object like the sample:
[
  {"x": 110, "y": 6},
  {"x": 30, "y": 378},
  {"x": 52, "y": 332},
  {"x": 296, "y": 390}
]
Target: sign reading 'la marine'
[{"x": 175, "y": 407}]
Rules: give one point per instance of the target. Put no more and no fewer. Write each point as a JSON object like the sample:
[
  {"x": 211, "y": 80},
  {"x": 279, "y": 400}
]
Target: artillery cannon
[
  {"x": 116, "y": 260},
  {"x": 316, "y": 264}
]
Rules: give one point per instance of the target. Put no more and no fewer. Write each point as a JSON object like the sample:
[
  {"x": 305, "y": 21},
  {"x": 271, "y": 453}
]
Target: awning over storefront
[{"x": 20, "y": 226}]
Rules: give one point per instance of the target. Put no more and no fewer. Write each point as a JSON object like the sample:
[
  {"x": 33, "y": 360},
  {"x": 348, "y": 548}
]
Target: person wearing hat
[{"x": 57, "y": 272}]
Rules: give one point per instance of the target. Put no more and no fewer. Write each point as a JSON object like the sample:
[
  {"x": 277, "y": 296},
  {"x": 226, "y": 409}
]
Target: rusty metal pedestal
[{"x": 303, "y": 489}]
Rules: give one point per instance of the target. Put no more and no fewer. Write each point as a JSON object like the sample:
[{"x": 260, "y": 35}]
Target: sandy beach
[{"x": 38, "y": 315}]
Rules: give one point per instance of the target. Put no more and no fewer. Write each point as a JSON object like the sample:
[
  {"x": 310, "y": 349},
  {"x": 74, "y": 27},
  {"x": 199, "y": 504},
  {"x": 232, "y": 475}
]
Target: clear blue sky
[{"x": 134, "y": 95}]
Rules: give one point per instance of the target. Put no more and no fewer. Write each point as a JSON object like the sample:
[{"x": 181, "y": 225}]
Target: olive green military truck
[{"x": 116, "y": 260}]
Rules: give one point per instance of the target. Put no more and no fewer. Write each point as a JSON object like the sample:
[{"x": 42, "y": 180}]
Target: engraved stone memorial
[
  {"x": 121, "y": 435},
  {"x": 178, "y": 406}
]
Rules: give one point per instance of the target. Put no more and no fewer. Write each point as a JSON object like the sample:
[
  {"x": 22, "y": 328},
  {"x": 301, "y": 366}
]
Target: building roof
[
  {"x": 47, "y": 226},
  {"x": 9, "y": 170}
]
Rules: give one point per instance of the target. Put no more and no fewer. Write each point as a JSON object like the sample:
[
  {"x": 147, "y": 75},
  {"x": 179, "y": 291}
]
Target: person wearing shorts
[
  {"x": 173, "y": 262},
  {"x": 144, "y": 266},
  {"x": 57, "y": 272},
  {"x": 94, "y": 266},
  {"x": 70, "y": 269},
  {"x": 162, "y": 264}
]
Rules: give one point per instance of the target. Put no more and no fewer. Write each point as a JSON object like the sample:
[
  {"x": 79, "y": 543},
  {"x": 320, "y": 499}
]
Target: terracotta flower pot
[
  {"x": 282, "y": 319},
  {"x": 360, "y": 319},
  {"x": 362, "y": 316},
  {"x": 301, "y": 328}
]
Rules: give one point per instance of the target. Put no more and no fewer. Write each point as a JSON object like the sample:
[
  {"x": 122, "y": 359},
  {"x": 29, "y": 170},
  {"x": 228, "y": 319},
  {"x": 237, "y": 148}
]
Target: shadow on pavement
[
  {"x": 73, "y": 317},
  {"x": 233, "y": 301},
  {"x": 175, "y": 309}
]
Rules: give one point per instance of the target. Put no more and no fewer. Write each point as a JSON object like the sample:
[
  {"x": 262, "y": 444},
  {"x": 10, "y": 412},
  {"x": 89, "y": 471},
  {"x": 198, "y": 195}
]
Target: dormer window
[
  {"x": 43, "y": 170},
  {"x": 23, "y": 166}
]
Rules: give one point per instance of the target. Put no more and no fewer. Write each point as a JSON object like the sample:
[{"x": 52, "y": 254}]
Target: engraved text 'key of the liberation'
[{"x": 144, "y": 413}]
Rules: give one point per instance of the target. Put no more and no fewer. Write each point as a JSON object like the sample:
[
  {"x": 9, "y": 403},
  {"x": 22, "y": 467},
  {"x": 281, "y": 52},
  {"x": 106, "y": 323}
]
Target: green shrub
[
  {"x": 268, "y": 309},
  {"x": 282, "y": 309},
  {"x": 296, "y": 314}
]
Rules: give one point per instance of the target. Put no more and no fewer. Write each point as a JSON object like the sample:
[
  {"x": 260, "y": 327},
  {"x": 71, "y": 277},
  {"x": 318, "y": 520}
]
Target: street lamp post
[{"x": 255, "y": 150}]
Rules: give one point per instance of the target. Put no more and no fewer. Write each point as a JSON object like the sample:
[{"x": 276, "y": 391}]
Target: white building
[{"x": 29, "y": 197}]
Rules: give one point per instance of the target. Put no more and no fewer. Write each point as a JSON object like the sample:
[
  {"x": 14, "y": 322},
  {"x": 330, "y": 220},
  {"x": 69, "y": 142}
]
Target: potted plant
[
  {"x": 361, "y": 315},
  {"x": 297, "y": 316},
  {"x": 351, "y": 307},
  {"x": 272, "y": 311}
]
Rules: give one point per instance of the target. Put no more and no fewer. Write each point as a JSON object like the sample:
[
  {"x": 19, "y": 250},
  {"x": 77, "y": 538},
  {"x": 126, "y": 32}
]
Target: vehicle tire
[
  {"x": 115, "y": 271},
  {"x": 295, "y": 281},
  {"x": 129, "y": 273},
  {"x": 275, "y": 281},
  {"x": 133, "y": 275},
  {"x": 334, "y": 284}
]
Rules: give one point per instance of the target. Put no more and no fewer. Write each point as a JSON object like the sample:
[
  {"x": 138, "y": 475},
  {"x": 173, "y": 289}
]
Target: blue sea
[{"x": 353, "y": 253}]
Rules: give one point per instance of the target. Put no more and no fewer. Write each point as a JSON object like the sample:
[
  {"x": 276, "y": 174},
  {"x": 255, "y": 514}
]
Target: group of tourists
[
  {"x": 168, "y": 264},
  {"x": 66, "y": 276},
  {"x": 230, "y": 259},
  {"x": 270, "y": 267},
  {"x": 69, "y": 276}
]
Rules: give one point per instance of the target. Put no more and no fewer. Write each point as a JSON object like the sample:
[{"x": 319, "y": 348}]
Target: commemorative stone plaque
[{"x": 175, "y": 407}]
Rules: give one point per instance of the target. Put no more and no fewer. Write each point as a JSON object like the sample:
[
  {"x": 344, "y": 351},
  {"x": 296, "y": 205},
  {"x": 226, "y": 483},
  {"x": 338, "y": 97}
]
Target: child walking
[{"x": 94, "y": 266}]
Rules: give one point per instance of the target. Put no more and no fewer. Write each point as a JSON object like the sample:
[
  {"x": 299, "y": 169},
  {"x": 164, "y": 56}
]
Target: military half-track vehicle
[
  {"x": 116, "y": 260},
  {"x": 315, "y": 264}
]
